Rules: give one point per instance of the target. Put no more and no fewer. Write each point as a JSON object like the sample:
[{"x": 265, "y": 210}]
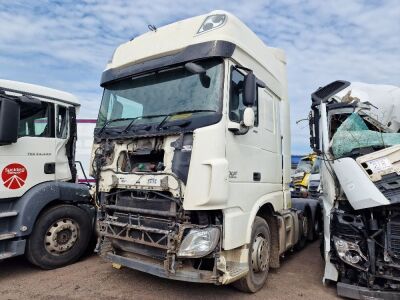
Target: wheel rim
[
  {"x": 61, "y": 236},
  {"x": 260, "y": 254}
]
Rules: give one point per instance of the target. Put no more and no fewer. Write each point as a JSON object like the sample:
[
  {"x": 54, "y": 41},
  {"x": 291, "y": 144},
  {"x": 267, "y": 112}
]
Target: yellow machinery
[{"x": 301, "y": 175}]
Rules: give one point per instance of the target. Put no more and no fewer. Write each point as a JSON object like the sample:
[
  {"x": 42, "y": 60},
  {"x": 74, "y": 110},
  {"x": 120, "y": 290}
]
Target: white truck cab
[
  {"x": 43, "y": 212},
  {"x": 355, "y": 129},
  {"x": 191, "y": 155}
]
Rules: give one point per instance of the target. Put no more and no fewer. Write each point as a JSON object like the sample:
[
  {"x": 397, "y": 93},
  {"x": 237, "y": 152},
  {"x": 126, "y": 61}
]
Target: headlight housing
[
  {"x": 212, "y": 22},
  {"x": 199, "y": 242},
  {"x": 350, "y": 253}
]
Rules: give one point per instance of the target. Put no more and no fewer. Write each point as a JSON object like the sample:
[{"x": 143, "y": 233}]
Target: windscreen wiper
[
  {"x": 112, "y": 121},
  {"x": 141, "y": 117},
  {"x": 180, "y": 113}
]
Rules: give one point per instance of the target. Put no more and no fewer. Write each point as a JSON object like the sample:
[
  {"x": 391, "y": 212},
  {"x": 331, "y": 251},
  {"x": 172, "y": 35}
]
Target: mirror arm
[{"x": 242, "y": 130}]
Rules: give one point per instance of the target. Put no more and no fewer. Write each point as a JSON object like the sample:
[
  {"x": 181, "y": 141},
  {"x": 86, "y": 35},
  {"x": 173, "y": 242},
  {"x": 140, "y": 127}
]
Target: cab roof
[
  {"x": 176, "y": 36},
  {"x": 38, "y": 91}
]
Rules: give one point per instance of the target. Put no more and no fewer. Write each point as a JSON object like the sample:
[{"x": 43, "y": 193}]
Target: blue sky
[{"x": 66, "y": 44}]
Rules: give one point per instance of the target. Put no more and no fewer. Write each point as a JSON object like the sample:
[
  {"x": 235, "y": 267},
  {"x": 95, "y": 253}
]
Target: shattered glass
[{"x": 353, "y": 133}]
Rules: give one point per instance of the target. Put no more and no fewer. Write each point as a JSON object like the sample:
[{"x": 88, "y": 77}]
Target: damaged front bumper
[
  {"x": 149, "y": 231},
  {"x": 363, "y": 293},
  {"x": 152, "y": 267}
]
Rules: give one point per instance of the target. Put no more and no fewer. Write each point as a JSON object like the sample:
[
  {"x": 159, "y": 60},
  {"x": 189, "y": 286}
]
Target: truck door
[
  {"x": 255, "y": 167},
  {"x": 30, "y": 160},
  {"x": 62, "y": 168}
]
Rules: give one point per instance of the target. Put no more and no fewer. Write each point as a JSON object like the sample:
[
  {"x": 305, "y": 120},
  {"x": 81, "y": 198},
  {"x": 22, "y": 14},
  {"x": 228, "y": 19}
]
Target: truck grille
[
  {"x": 394, "y": 236},
  {"x": 141, "y": 222},
  {"x": 390, "y": 187}
]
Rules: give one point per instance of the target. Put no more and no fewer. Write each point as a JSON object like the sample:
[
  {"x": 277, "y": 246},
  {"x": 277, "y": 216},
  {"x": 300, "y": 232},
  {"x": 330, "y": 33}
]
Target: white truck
[
  {"x": 44, "y": 214},
  {"x": 355, "y": 128},
  {"x": 191, "y": 155}
]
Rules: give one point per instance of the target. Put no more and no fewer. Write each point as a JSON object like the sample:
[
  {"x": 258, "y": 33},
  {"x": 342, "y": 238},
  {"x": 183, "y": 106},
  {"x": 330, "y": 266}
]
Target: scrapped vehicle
[
  {"x": 191, "y": 156},
  {"x": 44, "y": 214},
  {"x": 301, "y": 176},
  {"x": 314, "y": 181},
  {"x": 355, "y": 129}
]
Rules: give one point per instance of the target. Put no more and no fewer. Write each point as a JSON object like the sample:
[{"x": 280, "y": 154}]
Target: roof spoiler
[{"x": 324, "y": 93}]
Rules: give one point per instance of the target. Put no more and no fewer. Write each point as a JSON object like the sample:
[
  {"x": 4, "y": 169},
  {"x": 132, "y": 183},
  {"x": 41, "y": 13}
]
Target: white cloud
[{"x": 65, "y": 44}]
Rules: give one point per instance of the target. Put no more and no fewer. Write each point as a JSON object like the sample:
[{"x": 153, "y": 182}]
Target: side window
[
  {"x": 35, "y": 120},
  {"x": 267, "y": 106},
  {"x": 236, "y": 107},
  {"x": 62, "y": 122}
]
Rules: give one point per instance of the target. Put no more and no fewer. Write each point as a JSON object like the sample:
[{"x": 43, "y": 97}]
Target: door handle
[
  {"x": 256, "y": 176},
  {"x": 49, "y": 168}
]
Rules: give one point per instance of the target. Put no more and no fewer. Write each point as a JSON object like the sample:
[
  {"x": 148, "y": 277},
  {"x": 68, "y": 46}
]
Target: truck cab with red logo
[{"x": 44, "y": 213}]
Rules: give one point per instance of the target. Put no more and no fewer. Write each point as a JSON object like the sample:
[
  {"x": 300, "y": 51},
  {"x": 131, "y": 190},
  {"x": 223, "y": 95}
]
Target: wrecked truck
[
  {"x": 354, "y": 128},
  {"x": 191, "y": 156}
]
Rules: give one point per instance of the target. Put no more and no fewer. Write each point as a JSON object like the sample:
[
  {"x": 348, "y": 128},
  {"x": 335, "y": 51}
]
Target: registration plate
[{"x": 380, "y": 165}]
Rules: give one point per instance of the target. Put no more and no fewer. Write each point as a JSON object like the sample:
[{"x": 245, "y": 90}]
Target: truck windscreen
[{"x": 162, "y": 93}]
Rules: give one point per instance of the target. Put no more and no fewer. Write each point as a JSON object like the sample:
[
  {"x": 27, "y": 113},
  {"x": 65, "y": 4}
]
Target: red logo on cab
[{"x": 14, "y": 176}]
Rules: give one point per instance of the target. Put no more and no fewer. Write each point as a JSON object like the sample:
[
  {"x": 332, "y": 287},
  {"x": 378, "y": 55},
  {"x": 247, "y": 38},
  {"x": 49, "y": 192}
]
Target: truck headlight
[
  {"x": 212, "y": 22},
  {"x": 350, "y": 253},
  {"x": 199, "y": 242}
]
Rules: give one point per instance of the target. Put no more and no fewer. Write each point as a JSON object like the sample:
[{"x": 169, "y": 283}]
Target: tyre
[
  {"x": 311, "y": 236},
  {"x": 60, "y": 237},
  {"x": 318, "y": 225},
  {"x": 304, "y": 231},
  {"x": 259, "y": 257}
]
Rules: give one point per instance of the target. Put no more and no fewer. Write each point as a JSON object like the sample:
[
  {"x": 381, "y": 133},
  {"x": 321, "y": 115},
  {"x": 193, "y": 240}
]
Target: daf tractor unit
[
  {"x": 191, "y": 155},
  {"x": 44, "y": 213},
  {"x": 355, "y": 128}
]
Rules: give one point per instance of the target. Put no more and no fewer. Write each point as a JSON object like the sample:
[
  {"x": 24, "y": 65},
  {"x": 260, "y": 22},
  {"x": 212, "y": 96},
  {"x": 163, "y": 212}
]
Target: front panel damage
[
  {"x": 141, "y": 220},
  {"x": 362, "y": 212}
]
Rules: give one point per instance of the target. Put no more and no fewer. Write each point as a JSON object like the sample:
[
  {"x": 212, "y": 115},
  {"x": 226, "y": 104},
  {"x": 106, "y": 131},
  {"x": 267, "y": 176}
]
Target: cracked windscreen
[
  {"x": 354, "y": 133},
  {"x": 162, "y": 93}
]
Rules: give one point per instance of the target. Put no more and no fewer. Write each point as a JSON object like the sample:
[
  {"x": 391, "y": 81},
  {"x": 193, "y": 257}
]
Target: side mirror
[
  {"x": 249, "y": 93},
  {"x": 9, "y": 121},
  {"x": 248, "y": 117}
]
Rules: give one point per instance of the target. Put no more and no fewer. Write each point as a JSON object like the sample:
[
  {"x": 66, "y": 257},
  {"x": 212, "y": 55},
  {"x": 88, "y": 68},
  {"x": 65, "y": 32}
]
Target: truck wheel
[
  {"x": 60, "y": 237},
  {"x": 259, "y": 257},
  {"x": 304, "y": 223},
  {"x": 310, "y": 231},
  {"x": 318, "y": 226}
]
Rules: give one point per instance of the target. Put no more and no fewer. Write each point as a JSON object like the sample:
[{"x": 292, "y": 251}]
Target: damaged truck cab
[
  {"x": 191, "y": 155},
  {"x": 355, "y": 129}
]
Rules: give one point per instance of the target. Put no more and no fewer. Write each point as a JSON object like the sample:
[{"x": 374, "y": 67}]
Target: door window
[
  {"x": 62, "y": 124},
  {"x": 35, "y": 120},
  {"x": 236, "y": 107}
]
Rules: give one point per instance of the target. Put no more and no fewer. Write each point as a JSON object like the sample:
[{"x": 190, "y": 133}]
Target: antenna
[{"x": 152, "y": 27}]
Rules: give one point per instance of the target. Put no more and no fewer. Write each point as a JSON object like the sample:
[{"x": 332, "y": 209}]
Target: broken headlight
[
  {"x": 350, "y": 253},
  {"x": 199, "y": 242}
]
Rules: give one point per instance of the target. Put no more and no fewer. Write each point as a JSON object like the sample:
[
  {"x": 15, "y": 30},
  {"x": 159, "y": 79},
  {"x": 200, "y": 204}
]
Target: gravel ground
[{"x": 298, "y": 278}]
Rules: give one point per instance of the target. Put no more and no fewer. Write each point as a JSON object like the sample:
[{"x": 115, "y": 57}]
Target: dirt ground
[{"x": 298, "y": 278}]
